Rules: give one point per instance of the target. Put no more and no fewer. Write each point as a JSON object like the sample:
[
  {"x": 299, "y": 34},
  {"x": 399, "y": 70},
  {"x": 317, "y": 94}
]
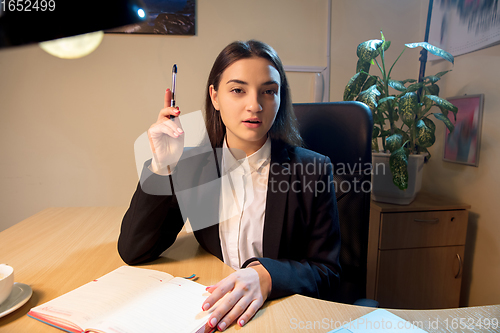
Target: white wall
[
  {"x": 356, "y": 21},
  {"x": 474, "y": 73}
]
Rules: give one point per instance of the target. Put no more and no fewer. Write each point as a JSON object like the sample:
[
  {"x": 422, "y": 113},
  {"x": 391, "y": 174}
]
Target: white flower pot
[{"x": 383, "y": 188}]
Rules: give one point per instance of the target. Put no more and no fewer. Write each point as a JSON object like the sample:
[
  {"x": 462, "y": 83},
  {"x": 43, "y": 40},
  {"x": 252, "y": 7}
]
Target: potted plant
[{"x": 402, "y": 111}]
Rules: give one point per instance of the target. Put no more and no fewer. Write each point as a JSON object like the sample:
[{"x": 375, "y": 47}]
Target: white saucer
[{"x": 19, "y": 295}]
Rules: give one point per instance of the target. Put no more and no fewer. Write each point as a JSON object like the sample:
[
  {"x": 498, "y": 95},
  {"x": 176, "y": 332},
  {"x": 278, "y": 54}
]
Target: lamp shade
[{"x": 53, "y": 19}]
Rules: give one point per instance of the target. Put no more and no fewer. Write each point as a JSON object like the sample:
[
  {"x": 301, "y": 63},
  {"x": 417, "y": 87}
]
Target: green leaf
[
  {"x": 369, "y": 97},
  {"x": 433, "y": 49},
  {"x": 375, "y": 144},
  {"x": 398, "y": 85},
  {"x": 414, "y": 87},
  {"x": 395, "y": 116},
  {"x": 366, "y": 50},
  {"x": 443, "y": 103},
  {"x": 354, "y": 85},
  {"x": 394, "y": 142},
  {"x": 432, "y": 78},
  {"x": 442, "y": 73},
  {"x": 405, "y": 135},
  {"x": 362, "y": 66},
  {"x": 372, "y": 80},
  {"x": 445, "y": 120},
  {"x": 386, "y": 44},
  {"x": 433, "y": 89},
  {"x": 437, "y": 77},
  {"x": 444, "y": 111},
  {"x": 399, "y": 168},
  {"x": 380, "y": 86},
  {"x": 425, "y": 135},
  {"x": 385, "y": 99},
  {"x": 408, "y": 81},
  {"x": 384, "y": 104},
  {"x": 429, "y": 123},
  {"x": 378, "y": 118},
  {"x": 428, "y": 105},
  {"x": 408, "y": 104}
]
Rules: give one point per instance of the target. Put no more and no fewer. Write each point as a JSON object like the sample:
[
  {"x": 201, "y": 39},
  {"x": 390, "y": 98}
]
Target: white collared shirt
[{"x": 243, "y": 204}]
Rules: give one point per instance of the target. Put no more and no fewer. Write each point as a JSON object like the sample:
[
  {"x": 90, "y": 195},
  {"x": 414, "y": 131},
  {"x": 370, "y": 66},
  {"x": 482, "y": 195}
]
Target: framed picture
[
  {"x": 165, "y": 17},
  {"x": 461, "y": 27},
  {"x": 463, "y": 144}
]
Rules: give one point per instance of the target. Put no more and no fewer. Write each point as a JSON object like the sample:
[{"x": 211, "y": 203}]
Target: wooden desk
[{"x": 60, "y": 249}]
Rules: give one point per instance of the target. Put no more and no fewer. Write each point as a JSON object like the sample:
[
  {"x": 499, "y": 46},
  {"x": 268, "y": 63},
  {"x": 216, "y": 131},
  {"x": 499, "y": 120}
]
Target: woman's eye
[
  {"x": 271, "y": 92},
  {"x": 237, "y": 90}
]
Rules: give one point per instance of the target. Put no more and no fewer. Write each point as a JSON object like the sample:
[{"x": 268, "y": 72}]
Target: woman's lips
[{"x": 252, "y": 124}]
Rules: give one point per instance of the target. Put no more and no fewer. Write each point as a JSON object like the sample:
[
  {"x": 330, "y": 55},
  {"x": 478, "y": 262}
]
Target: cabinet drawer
[
  {"x": 422, "y": 229},
  {"x": 425, "y": 278}
]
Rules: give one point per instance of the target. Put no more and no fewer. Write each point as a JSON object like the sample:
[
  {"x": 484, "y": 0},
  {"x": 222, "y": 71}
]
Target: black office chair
[{"x": 343, "y": 132}]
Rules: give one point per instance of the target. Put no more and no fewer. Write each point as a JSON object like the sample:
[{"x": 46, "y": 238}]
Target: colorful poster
[{"x": 463, "y": 144}]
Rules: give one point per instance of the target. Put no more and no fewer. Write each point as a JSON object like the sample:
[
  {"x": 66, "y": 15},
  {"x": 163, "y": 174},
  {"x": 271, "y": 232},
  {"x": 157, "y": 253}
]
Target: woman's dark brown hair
[{"x": 284, "y": 127}]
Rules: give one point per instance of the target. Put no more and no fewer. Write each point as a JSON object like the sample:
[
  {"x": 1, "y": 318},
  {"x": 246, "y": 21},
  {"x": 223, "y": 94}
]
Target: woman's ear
[{"x": 213, "y": 97}]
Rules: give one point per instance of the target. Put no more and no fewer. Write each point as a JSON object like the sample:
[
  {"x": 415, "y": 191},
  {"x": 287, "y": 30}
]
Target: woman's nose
[{"x": 253, "y": 103}]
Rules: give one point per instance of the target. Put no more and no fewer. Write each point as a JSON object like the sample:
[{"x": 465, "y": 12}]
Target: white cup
[{"x": 6, "y": 281}]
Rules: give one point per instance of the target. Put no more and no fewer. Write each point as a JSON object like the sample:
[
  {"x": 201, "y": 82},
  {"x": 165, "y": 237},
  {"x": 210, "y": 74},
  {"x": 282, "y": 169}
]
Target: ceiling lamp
[
  {"x": 53, "y": 19},
  {"x": 73, "y": 47}
]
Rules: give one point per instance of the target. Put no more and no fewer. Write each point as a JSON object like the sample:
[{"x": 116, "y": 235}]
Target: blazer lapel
[
  {"x": 213, "y": 231},
  {"x": 276, "y": 202},
  {"x": 209, "y": 237}
]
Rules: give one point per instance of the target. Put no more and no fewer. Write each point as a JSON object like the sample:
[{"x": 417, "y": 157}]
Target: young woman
[{"x": 285, "y": 237}]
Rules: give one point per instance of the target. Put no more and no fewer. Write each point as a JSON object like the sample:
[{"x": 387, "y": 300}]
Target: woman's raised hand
[{"x": 166, "y": 138}]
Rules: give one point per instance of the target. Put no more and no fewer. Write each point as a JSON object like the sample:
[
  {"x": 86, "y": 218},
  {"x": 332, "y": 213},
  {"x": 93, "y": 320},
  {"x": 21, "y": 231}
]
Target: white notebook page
[{"x": 131, "y": 299}]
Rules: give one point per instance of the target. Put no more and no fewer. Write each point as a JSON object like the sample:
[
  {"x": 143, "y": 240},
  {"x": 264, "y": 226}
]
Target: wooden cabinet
[{"x": 416, "y": 253}]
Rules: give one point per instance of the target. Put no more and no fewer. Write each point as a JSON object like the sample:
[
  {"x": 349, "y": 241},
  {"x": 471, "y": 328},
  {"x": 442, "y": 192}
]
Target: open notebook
[{"x": 126, "y": 300}]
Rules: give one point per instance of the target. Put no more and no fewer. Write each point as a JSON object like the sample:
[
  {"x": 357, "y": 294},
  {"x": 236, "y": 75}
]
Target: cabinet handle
[
  {"x": 460, "y": 263},
  {"x": 433, "y": 221}
]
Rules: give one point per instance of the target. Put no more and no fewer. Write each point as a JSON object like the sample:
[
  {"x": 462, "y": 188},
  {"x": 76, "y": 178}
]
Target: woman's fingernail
[
  {"x": 176, "y": 135},
  {"x": 177, "y": 107},
  {"x": 180, "y": 131},
  {"x": 222, "y": 326},
  {"x": 241, "y": 322},
  {"x": 213, "y": 322},
  {"x": 167, "y": 90},
  {"x": 205, "y": 306}
]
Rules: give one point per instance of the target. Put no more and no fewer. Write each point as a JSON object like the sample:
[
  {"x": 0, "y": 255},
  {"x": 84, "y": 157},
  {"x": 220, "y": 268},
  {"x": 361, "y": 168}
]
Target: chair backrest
[{"x": 343, "y": 131}]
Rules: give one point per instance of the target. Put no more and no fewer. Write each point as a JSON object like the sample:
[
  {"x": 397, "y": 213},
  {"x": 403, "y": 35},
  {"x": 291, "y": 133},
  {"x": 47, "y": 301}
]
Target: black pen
[{"x": 174, "y": 75}]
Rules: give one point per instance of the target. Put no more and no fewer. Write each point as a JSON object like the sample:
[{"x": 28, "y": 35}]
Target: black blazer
[{"x": 301, "y": 239}]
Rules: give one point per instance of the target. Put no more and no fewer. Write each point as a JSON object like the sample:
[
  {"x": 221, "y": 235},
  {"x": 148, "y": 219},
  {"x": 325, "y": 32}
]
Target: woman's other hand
[
  {"x": 246, "y": 291},
  {"x": 166, "y": 138}
]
